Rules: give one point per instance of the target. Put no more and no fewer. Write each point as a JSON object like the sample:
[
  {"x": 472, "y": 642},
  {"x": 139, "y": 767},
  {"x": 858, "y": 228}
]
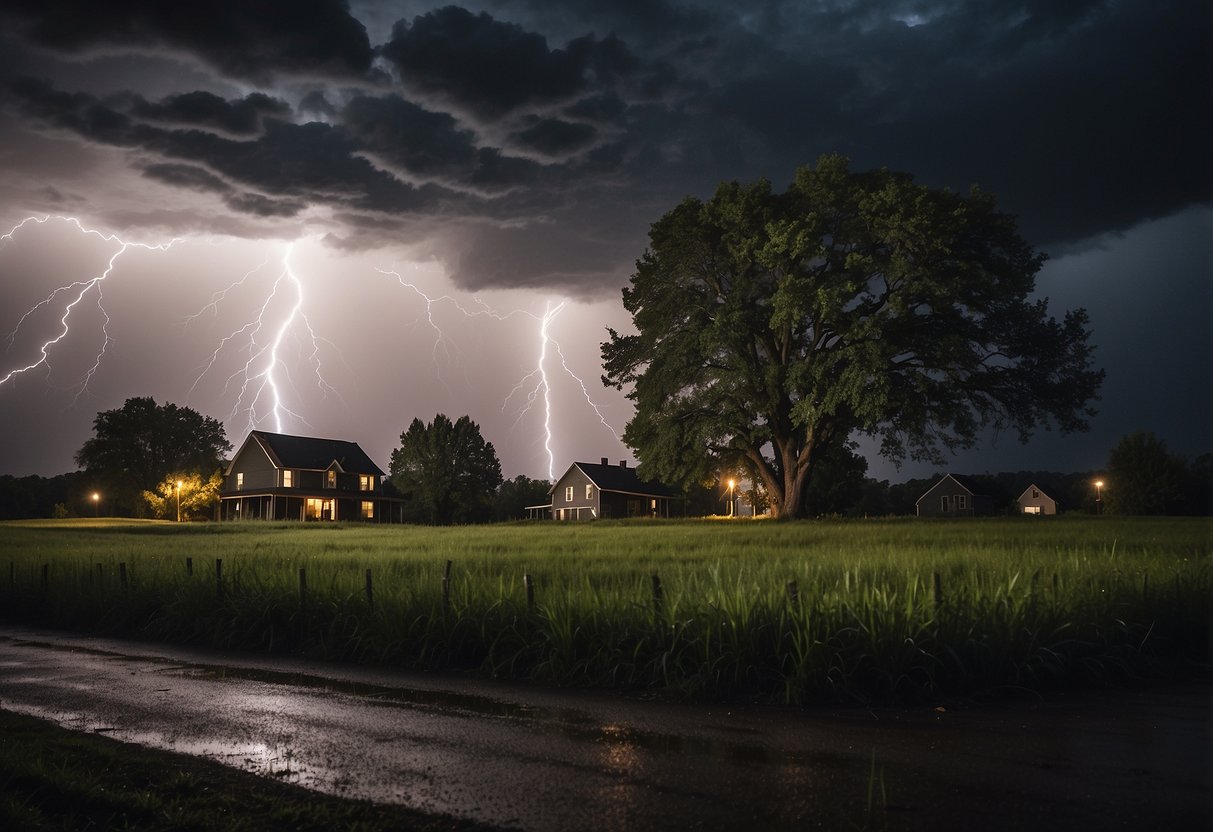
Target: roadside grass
[
  {"x": 875, "y": 611},
  {"x": 55, "y": 779}
]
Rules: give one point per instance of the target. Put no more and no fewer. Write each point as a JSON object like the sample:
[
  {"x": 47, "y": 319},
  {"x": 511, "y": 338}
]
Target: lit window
[
  {"x": 288, "y": 479},
  {"x": 330, "y": 479},
  {"x": 1031, "y": 509},
  {"x": 365, "y": 483},
  {"x": 368, "y": 510},
  {"x": 568, "y": 494},
  {"x": 239, "y": 480},
  {"x": 589, "y": 491},
  {"x": 1035, "y": 494}
]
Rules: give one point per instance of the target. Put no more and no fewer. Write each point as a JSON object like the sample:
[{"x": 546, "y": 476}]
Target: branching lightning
[
  {"x": 261, "y": 355},
  {"x": 265, "y": 373},
  {"x": 537, "y": 383},
  {"x": 77, "y": 292}
]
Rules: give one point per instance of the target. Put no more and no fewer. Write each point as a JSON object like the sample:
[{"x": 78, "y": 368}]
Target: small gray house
[
  {"x": 591, "y": 491},
  {"x": 274, "y": 476},
  {"x": 955, "y": 496},
  {"x": 1035, "y": 501}
]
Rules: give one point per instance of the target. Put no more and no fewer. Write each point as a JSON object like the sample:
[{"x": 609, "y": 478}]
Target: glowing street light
[
  {"x": 178, "y": 501},
  {"x": 731, "y": 484},
  {"x": 96, "y": 504},
  {"x": 1099, "y": 496}
]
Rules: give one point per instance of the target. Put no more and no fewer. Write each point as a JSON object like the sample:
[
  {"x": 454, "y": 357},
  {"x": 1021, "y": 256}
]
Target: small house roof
[
  {"x": 1023, "y": 493},
  {"x": 618, "y": 478},
  {"x": 967, "y": 483},
  {"x": 310, "y": 453}
]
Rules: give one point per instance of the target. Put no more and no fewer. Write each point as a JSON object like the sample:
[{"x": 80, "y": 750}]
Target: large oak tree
[{"x": 771, "y": 327}]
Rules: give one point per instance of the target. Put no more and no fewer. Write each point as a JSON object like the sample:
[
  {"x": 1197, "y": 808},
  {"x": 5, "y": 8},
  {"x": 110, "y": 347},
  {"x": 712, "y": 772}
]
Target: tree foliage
[
  {"x": 446, "y": 471},
  {"x": 513, "y": 496},
  {"x": 141, "y": 444},
  {"x": 198, "y": 496},
  {"x": 771, "y": 327},
  {"x": 1144, "y": 477}
]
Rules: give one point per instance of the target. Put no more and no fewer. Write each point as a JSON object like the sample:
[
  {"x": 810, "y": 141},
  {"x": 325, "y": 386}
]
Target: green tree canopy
[
  {"x": 771, "y": 327},
  {"x": 141, "y": 444},
  {"x": 446, "y": 471},
  {"x": 513, "y": 496},
  {"x": 1144, "y": 477}
]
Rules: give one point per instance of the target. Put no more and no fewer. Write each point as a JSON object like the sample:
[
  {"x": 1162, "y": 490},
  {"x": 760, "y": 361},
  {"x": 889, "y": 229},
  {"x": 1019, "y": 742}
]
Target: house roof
[
  {"x": 310, "y": 453},
  {"x": 620, "y": 479},
  {"x": 964, "y": 482},
  {"x": 1029, "y": 488}
]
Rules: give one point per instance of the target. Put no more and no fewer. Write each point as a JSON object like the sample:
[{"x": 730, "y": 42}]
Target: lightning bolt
[
  {"x": 75, "y": 293},
  {"x": 536, "y": 382},
  {"x": 262, "y": 379},
  {"x": 264, "y": 374}
]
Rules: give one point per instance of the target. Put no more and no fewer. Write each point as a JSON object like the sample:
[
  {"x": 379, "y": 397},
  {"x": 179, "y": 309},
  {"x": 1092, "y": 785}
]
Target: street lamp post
[
  {"x": 178, "y": 501},
  {"x": 96, "y": 504},
  {"x": 731, "y": 503},
  {"x": 1099, "y": 496}
]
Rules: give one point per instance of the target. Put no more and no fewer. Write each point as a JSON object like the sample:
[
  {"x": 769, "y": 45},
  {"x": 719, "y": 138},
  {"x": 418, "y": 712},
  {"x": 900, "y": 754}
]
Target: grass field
[{"x": 785, "y": 612}]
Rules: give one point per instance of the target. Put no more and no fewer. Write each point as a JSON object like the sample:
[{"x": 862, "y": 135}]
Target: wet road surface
[{"x": 541, "y": 759}]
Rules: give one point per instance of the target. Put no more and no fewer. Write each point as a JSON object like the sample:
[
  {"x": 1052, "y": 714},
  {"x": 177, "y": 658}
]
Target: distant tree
[
  {"x": 771, "y": 327},
  {"x": 513, "y": 496},
  {"x": 1199, "y": 487},
  {"x": 837, "y": 483},
  {"x": 1144, "y": 477},
  {"x": 138, "y": 446},
  {"x": 198, "y": 497},
  {"x": 446, "y": 471}
]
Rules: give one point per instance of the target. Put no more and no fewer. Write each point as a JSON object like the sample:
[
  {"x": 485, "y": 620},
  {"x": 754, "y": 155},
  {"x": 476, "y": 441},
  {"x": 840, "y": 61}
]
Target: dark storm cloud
[
  {"x": 506, "y": 115},
  {"x": 493, "y": 68},
  {"x": 203, "y": 109},
  {"x": 190, "y": 177},
  {"x": 253, "y": 39}
]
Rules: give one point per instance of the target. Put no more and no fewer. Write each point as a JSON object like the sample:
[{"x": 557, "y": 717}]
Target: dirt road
[{"x": 552, "y": 760}]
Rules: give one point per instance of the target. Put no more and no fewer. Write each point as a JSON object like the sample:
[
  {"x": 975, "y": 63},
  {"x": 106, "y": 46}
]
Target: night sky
[{"x": 327, "y": 219}]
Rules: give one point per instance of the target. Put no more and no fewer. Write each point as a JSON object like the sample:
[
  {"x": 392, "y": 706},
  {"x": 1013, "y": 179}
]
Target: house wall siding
[
  {"x": 578, "y": 508},
  {"x": 258, "y": 469},
  {"x": 931, "y": 503}
]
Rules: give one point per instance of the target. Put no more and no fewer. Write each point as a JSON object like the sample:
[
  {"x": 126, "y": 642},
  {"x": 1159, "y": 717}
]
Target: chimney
[
  {"x": 623, "y": 463},
  {"x": 604, "y": 460}
]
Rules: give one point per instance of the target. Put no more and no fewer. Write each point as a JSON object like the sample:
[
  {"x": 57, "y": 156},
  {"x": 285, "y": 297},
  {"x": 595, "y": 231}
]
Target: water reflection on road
[{"x": 547, "y": 760}]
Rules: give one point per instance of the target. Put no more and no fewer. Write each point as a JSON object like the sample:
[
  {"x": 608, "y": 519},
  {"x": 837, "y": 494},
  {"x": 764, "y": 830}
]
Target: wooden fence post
[
  {"x": 189, "y": 567},
  {"x": 793, "y": 593},
  {"x": 370, "y": 592},
  {"x": 219, "y": 577},
  {"x": 656, "y": 592},
  {"x": 530, "y": 590},
  {"x": 937, "y": 587},
  {"x": 446, "y": 586}
]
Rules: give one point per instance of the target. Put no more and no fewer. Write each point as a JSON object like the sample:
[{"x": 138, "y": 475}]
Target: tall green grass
[{"x": 1021, "y": 604}]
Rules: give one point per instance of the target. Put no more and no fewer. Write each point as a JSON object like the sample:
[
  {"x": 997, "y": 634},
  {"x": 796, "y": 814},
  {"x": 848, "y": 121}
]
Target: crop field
[{"x": 876, "y": 610}]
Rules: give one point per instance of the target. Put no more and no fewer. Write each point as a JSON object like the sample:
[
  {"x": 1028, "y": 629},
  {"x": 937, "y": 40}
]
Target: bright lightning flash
[
  {"x": 538, "y": 379},
  {"x": 71, "y": 296},
  {"x": 262, "y": 376}
]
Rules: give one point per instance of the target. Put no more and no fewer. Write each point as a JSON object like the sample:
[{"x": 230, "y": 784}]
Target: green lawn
[{"x": 787, "y": 612}]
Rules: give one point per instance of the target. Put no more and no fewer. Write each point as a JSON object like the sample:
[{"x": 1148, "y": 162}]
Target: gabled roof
[
  {"x": 310, "y": 453},
  {"x": 1043, "y": 493},
  {"x": 964, "y": 482},
  {"x": 619, "y": 479}
]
